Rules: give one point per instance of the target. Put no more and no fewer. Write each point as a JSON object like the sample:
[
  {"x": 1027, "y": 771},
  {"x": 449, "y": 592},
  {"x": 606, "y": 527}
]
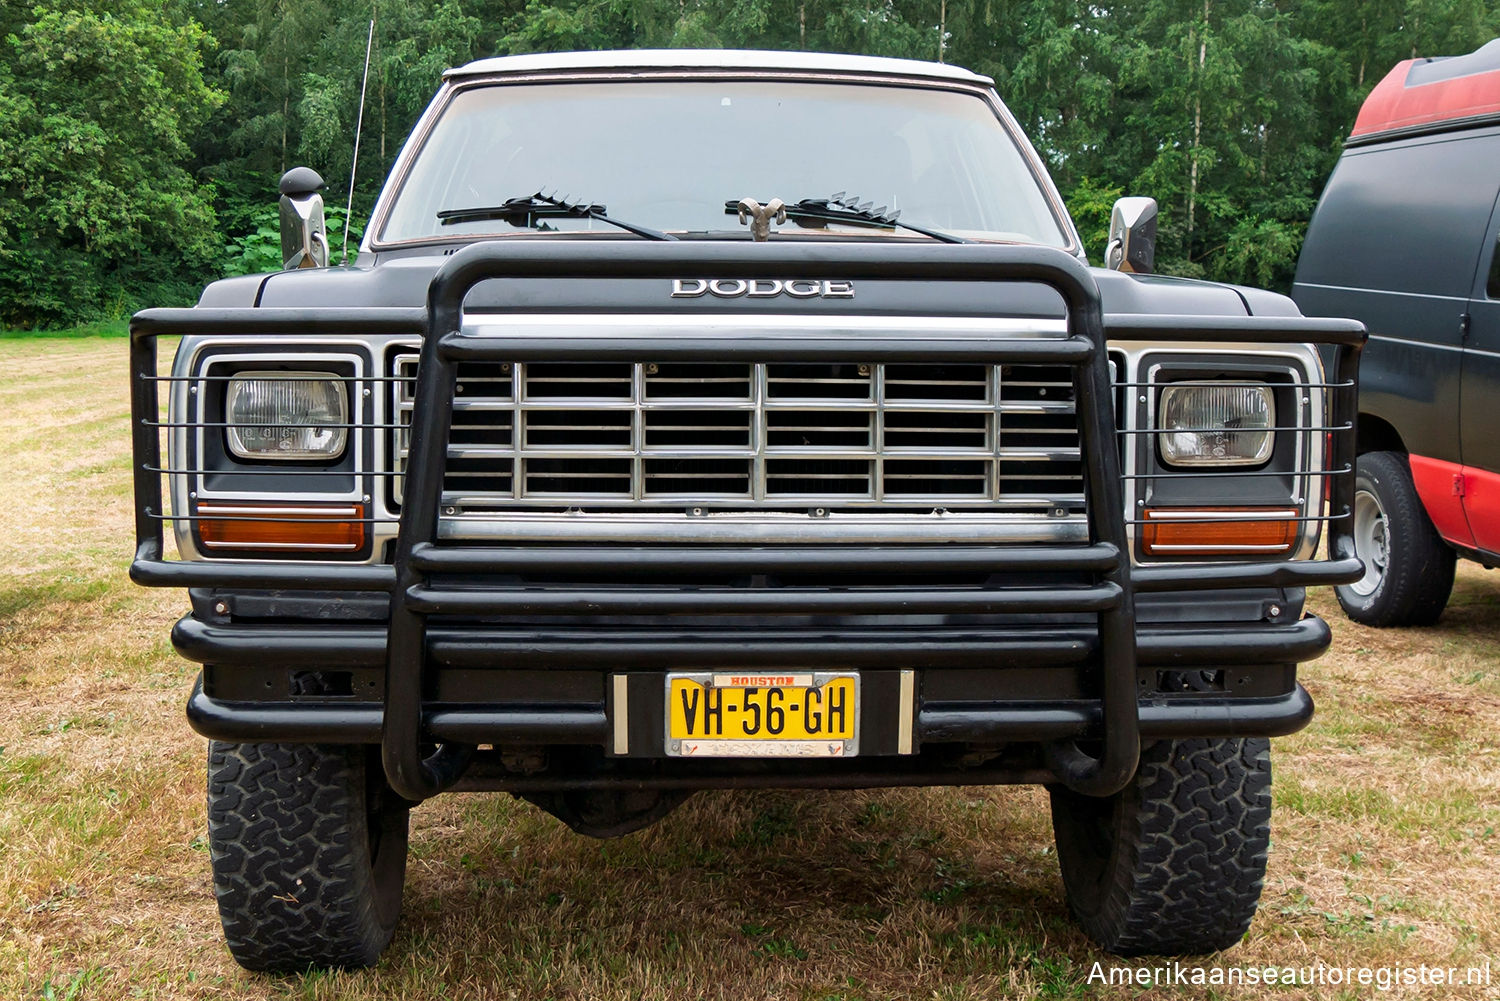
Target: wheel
[
  {"x": 1408, "y": 567},
  {"x": 308, "y": 848},
  {"x": 1173, "y": 863}
]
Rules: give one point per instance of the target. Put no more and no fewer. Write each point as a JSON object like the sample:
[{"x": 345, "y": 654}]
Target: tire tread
[
  {"x": 1189, "y": 856},
  {"x": 291, "y": 864}
]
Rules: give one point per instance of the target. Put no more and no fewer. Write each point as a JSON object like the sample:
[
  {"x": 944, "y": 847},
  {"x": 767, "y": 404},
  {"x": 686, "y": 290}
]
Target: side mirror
[
  {"x": 1132, "y": 236},
  {"x": 304, "y": 236}
]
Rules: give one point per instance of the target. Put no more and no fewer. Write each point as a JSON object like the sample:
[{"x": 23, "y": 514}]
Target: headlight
[
  {"x": 277, "y": 415},
  {"x": 1204, "y": 424}
]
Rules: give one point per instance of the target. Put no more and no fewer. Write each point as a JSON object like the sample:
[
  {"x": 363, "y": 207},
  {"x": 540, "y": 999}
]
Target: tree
[
  {"x": 141, "y": 141},
  {"x": 97, "y": 211},
  {"x": 1220, "y": 101},
  {"x": 293, "y": 74}
]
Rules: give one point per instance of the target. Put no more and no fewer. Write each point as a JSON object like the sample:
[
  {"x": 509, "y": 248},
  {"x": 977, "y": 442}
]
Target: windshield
[{"x": 669, "y": 154}]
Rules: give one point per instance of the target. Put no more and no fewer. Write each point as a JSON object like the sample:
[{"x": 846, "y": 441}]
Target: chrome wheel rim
[{"x": 1371, "y": 542}]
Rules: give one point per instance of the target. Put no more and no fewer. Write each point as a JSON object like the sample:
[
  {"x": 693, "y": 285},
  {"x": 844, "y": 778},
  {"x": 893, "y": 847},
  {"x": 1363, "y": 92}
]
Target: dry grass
[{"x": 1387, "y": 836}]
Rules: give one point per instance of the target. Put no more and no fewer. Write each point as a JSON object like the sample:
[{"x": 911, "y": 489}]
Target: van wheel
[
  {"x": 1173, "y": 863},
  {"x": 308, "y": 847},
  {"x": 1408, "y": 567}
]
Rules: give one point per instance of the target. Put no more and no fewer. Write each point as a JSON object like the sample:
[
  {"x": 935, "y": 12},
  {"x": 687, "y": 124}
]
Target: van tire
[
  {"x": 308, "y": 848},
  {"x": 1408, "y": 567},
  {"x": 1173, "y": 864}
]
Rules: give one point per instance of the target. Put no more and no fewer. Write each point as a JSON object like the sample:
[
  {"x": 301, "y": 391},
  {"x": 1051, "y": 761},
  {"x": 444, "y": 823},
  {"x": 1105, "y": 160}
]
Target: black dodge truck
[{"x": 697, "y": 420}]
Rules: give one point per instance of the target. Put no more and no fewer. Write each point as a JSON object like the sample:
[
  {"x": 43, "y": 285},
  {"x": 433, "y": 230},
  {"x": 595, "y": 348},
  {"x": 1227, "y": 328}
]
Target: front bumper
[
  {"x": 1062, "y": 664},
  {"x": 276, "y": 672}
]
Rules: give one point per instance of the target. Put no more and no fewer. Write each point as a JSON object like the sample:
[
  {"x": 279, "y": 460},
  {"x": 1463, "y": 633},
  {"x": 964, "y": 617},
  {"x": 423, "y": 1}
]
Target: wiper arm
[
  {"x": 839, "y": 208},
  {"x": 528, "y": 208}
]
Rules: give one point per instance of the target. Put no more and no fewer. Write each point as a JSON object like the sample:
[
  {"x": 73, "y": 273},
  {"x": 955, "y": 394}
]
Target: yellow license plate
[{"x": 776, "y": 714}]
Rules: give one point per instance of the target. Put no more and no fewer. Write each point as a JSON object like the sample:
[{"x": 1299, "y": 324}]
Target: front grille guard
[{"x": 415, "y": 594}]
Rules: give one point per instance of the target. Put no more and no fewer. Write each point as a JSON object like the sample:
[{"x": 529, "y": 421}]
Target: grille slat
[{"x": 608, "y": 436}]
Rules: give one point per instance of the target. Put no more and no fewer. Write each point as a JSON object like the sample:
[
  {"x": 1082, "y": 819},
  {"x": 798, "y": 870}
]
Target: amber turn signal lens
[
  {"x": 332, "y": 528},
  {"x": 1219, "y": 531}
]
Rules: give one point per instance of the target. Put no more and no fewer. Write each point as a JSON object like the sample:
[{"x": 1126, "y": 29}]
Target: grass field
[
  {"x": 1386, "y": 840},
  {"x": 99, "y": 328}
]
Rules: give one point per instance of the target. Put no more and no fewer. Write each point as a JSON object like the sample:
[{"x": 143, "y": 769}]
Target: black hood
[{"x": 403, "y": 281}]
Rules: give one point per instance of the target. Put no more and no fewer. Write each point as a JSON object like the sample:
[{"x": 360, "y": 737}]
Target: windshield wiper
[
  {"x": 839, "y": 208},
  {"x": 529, "y": 208}
]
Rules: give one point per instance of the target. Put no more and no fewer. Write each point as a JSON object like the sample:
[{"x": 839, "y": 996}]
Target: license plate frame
[{"x": 772, "y": 746}]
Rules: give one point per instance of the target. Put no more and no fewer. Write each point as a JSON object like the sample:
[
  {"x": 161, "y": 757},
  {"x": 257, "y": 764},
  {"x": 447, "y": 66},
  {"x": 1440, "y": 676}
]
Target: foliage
[
  {"x": 259, "y": 248},
  {"x": 96, "y": 202},
  {"x": 1259, "y": 251},
  {"x": 1090, "y": 204},
  {"x": 1229, "y": 112},
  {"x": 293, "y": 70},
  {"x": 101, "y": 328}
]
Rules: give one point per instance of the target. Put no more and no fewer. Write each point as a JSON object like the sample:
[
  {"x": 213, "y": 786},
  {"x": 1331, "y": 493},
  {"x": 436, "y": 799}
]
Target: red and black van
[{"x": 1404, "y": 238}]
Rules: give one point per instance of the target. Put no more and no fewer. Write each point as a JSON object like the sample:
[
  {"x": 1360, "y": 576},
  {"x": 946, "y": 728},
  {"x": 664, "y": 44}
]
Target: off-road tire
[
  {"x": 1413, "y": 576},
  {"x": 308, "y": 848},
  {"x": 1172, "y": 864}
]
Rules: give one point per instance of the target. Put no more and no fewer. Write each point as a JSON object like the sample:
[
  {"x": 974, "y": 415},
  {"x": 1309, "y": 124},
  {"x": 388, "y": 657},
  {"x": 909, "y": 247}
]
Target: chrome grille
[{"x": 776, "y": 436}]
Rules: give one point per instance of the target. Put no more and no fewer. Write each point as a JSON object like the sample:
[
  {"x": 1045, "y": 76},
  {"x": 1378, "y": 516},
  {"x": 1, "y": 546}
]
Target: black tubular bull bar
[{"x": 418, "y": 559}]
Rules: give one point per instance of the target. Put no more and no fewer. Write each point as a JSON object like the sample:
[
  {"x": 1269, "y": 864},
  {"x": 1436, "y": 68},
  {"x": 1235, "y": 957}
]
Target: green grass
[
  {"x": 41, "y": 590},
  {"x": 1443, "y": 814},
  {"x": 99, "y": 328}
]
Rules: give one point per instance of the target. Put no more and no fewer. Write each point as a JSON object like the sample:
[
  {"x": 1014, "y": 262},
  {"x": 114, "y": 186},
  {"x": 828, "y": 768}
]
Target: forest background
[{"x": 141, "y": 140}]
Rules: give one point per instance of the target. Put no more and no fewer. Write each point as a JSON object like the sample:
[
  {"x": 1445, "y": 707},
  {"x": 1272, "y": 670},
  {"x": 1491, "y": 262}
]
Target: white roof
[{"x": 730, "y": 59}]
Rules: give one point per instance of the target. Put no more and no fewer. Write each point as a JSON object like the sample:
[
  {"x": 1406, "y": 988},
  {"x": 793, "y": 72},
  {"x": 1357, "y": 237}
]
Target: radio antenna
[{"x": 358, "y": 128}]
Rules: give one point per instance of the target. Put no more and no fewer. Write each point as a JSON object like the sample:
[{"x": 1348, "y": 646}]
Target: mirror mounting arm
[{"x": 304, "y": 234}]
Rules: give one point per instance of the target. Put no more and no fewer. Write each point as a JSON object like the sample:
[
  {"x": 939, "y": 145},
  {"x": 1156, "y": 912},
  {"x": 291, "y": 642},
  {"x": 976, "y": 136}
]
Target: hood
[{"x": 403, "y": 281}]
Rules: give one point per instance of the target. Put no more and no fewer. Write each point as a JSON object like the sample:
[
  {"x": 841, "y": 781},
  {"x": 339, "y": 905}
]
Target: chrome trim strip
[
  {"x": 1183, "y": 514},
  {"x": 735, "y": 529},
  {"x": 1284, "y": 548},
  {"x": 732, "y": 325},
  {"x": 713, "y": 59},
  {"x": 619, "y": 712},
  {"x": 908, "y": 712},
  {"x": 229, "y": 511},
  {"x": 331, "y": 547}
]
